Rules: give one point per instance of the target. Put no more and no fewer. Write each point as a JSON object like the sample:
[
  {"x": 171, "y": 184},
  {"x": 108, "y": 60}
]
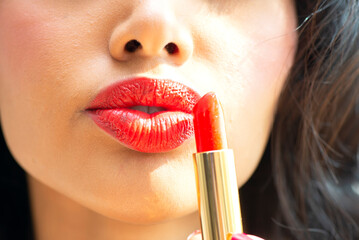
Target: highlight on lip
[{"x": 147, "y": 115}]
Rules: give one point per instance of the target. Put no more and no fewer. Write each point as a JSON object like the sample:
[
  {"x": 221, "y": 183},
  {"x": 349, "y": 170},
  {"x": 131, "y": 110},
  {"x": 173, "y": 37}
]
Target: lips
[{"x": 147, "y": 115}]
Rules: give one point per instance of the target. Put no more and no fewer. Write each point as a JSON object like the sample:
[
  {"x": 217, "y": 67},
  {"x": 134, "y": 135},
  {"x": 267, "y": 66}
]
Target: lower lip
[{"x": 153, "y": 133}]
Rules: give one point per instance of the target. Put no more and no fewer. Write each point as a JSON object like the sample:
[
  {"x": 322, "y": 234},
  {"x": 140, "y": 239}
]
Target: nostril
[
  {"x": 171, "y": 48},
  {"x": 132, "y": 46}
]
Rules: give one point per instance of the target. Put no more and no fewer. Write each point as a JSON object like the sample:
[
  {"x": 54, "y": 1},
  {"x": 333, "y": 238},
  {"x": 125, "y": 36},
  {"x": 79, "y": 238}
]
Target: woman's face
[{"x": 56, "y": 56}]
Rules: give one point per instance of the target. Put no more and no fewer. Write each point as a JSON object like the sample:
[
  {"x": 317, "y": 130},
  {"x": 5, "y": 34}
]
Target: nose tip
[{"x": 151, "y": 32}]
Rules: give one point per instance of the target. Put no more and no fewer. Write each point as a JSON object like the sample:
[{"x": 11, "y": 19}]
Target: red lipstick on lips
[
  {"x": 164, "y": 123},
  {"x": 217, "y": 189}
]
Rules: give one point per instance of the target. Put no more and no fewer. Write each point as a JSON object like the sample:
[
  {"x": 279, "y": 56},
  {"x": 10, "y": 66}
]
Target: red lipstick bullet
[{"x": 209, "y": 124}]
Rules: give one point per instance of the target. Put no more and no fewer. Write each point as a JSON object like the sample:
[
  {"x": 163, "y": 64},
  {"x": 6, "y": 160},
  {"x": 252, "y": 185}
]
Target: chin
[
  {"x": 138, "y": 206},
  {"x": 147, "y": 212}
]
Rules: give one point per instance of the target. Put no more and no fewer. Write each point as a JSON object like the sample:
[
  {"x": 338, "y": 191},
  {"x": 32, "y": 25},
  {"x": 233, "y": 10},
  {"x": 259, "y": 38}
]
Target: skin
[{"x": 55, "y": 56}]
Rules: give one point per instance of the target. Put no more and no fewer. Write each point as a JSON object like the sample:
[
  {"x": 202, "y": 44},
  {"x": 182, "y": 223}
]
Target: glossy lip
[{"x": 113, "y": 111}]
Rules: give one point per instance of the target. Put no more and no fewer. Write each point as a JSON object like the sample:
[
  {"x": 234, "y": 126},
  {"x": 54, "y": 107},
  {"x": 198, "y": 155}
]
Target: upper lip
[{"x": 165, "y": 93}]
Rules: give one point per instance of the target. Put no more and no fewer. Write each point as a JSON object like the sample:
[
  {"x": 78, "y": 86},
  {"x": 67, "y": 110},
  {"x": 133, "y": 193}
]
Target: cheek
[
  {"x": 251, "y": 59},
  {"x": 23, "y": 32},
  {"x": 24, "y": 75},
  {"x": 24, "y": 35},
  {"x": 268, "y": 57},
  {"x": 264, "y": 74}
]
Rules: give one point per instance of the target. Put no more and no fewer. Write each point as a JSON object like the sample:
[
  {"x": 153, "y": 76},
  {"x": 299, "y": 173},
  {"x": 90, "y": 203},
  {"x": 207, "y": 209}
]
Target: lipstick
[{"x": 217, "y": 188}]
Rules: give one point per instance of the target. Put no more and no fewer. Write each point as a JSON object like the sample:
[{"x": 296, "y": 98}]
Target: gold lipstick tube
[{"x": 217, "y": 192}]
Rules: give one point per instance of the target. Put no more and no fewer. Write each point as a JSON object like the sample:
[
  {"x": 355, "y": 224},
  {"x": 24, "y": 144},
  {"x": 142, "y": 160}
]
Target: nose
[{"x": 151, "y": 30}]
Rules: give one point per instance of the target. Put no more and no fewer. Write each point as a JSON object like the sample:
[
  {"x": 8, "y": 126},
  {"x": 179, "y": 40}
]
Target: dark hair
[
  {"x": 314, "y": 146},
  {"x": 307, "y": 185}
]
